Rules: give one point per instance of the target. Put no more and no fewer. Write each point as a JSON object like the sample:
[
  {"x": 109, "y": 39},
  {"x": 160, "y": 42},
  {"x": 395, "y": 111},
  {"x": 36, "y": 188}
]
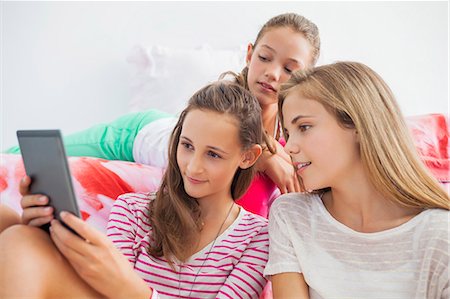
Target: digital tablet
[{"x": 46, "y": 164}]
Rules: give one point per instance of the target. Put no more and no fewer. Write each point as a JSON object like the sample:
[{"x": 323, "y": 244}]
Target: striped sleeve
[
  {"x": 246, "y": 280},
  {"x": 127, "y": 224}
]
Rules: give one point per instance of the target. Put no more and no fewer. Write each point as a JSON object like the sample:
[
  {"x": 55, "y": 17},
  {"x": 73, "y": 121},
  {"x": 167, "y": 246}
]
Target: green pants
[{"x": 112, "y": 141}]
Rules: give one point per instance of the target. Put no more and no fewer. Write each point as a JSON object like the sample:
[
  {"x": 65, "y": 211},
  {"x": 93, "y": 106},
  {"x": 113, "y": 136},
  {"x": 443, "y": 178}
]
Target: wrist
[{"x": 137, "y": 288}]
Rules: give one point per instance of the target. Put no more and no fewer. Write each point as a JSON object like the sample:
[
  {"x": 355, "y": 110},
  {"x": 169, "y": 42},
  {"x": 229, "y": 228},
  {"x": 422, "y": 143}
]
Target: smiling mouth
[{"x": 300, "y": 166}]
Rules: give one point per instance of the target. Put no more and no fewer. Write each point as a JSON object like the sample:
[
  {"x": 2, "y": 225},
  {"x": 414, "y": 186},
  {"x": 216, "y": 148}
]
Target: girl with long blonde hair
[{"x": 372, "y": 222}]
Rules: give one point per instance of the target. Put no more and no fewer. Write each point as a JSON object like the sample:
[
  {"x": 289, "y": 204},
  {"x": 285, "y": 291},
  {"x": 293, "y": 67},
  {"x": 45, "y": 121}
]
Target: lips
[
  {"x": 194, "y": 181},
  {"x": 267, "y": 86},
  {"x": 300, "y": 166}
]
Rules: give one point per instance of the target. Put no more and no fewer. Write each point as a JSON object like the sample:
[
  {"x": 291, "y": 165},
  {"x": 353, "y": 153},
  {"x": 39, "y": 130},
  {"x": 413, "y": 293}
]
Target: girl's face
[
  {"x": 209, "y": 153},
  {"x": 323, "y": 152},
  {"x": 277, "y": 54}
]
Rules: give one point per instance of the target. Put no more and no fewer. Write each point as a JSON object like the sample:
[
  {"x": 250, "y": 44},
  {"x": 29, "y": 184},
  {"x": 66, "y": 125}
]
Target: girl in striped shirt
[{"x": 189, "y": 240}]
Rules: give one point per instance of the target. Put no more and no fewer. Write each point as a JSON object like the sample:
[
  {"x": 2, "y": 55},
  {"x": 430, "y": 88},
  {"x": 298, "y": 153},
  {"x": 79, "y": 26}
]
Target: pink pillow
[
  {"x": 97, "y": 183},
  {"x": 430, "y": 135}
]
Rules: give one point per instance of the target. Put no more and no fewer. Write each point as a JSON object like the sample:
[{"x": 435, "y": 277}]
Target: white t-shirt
[{"x": 408, "y": 261}]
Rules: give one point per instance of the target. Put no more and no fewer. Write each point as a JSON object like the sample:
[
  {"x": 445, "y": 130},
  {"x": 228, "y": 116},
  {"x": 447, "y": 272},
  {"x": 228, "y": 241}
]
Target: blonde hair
[
  {"x": 359, "y": 98},
  {"x": 174, "y": 215}
]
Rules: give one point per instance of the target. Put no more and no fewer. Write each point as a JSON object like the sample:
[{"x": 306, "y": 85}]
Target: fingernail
[
  {"x": 63, "y": 214},
  {"x": 42, "y": 199}
]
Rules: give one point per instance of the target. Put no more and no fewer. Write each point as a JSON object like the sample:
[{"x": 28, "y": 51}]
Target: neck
[
  {"x": 214, "y": 209},
  {"x": 361, "y": 207},
  {"x": 269, "y": 116}
]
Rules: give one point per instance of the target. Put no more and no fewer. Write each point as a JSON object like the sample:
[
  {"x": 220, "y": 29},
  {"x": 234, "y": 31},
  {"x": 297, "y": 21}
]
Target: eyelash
[
  {"x": 262, "y": 58},
  {"x": 214, "y": 155},
  {"x": 265, "y": 59},
  {"x": 303, "y": 128},
  {"x": 189, "y": 147}
]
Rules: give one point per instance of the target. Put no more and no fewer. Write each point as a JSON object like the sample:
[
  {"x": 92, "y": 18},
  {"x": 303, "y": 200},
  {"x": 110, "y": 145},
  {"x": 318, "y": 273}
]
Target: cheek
[
  {"x": 284, "y": 77},
  {"x": 181, "y": 159}
]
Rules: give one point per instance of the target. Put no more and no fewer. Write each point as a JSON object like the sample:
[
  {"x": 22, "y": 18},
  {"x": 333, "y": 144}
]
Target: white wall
[{"x": 63, "y": 64}]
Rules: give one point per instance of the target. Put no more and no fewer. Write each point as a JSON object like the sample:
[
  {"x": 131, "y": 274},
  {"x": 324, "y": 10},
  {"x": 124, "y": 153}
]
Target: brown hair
[
  {"x": 360, "y": 99},
  {"x": 174, "y": 215},
  {"x": 293, "y": 21}
]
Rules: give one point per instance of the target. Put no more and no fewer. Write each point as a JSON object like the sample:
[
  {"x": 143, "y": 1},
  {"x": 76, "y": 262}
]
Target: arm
[
  {"x": 246, "y": 280},
  {"x": 289, "y": 285},
  {"x": 96, "y": 260},
  {"x": 283, "y": 266},
  {"x": 278, "y": 167}
]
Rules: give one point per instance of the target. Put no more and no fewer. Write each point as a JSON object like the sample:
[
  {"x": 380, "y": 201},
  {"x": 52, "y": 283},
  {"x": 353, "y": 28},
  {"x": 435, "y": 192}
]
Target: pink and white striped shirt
[{"x": 233, "y": 268}]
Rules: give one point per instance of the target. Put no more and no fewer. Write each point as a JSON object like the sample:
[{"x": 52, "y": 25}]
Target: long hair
[
  {"x": 174, "y": 215},
  {"x": 359, "y": 98}
]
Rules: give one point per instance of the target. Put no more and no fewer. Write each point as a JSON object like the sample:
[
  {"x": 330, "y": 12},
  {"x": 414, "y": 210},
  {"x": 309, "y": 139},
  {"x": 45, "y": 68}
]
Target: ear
[
  {"x": 248, "y": 57},
  {"x": 250, "y": 156}
]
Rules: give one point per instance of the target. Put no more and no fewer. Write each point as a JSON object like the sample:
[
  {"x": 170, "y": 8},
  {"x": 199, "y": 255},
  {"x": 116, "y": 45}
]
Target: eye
[
  {"x": 214, "y": 155},
  {"x": 263, "y": 58},
  {"x": 288, "y": 70},
  {"x": 286, "y": 134},
  {"x": 187, "y": 145},
  {"x": 303, "y": 128}
]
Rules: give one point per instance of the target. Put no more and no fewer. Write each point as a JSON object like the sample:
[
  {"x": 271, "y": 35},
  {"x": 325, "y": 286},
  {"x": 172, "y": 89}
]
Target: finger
[
  {"x": 29, "y": 214},
  {"x": 71, "y": 255},
  {"x": 24, "y": 185},
  {"x": 40, "y": 221},
  {"x": 82, "y": 228},
  {"x": 33, "y": 200},
  {"x": 68, "y": 240},
  {"x": 297, "y": 184},
  {"x": 290, "y": 187},
  {"x": 283, "y": 189}
]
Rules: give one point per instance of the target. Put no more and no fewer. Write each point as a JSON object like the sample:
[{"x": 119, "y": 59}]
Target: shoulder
[
  {"x": 433, "y": 236},
  {"x": 250, "y": 224},
  {"x": 134, "y": 202},
  {"x": 293, "y": 203},
  {"x": 436, "y": 225},
  {"x": 253, "y": 220}
]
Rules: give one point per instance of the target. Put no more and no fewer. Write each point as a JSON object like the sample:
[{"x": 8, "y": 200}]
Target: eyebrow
[
  {"x": 298, "y": 117},
  {"x": 273, "y": 50},
  {"x": 208, "y": 146}
]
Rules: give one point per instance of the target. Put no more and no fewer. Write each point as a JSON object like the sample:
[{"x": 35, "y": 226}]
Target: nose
[
  {"x": 273, "y": 72},
  {"x": 195, "y": 164},
  {"x": 291, "y": 147}
]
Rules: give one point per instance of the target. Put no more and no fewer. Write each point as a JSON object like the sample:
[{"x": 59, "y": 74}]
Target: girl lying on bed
[
  {"x": 285, "y": 43},
  {"x": 188, "y": 240}
]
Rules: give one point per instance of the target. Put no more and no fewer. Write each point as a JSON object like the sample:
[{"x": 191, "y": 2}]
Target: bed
[{"x": 99, "y": 182}]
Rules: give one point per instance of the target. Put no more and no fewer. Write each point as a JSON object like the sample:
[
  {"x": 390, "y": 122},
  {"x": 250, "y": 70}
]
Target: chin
[{"x": 313, "y": 186}]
